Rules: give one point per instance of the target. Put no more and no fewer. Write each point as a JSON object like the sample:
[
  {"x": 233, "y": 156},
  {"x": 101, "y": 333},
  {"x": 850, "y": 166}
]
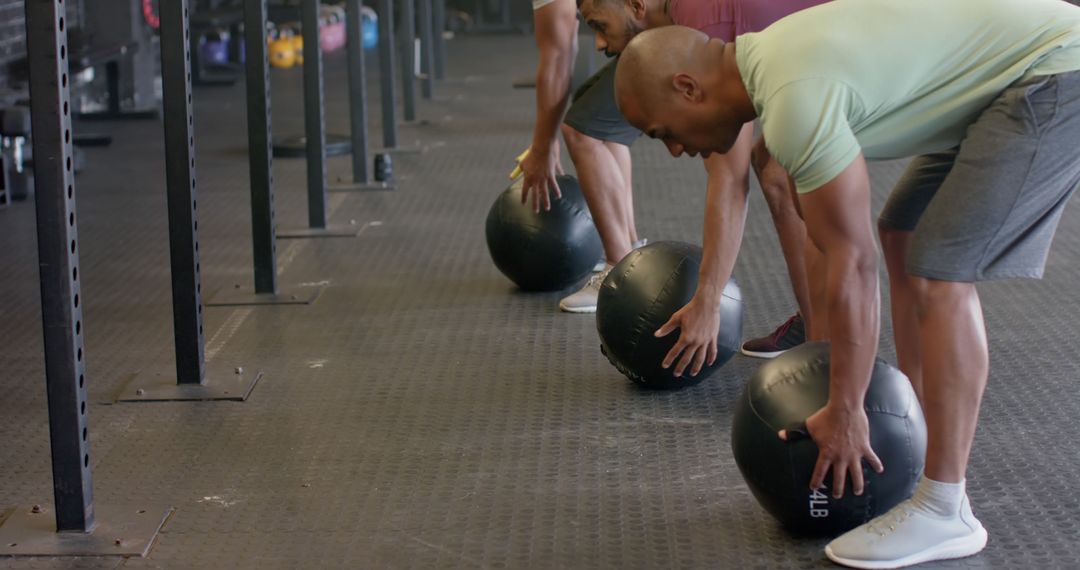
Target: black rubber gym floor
[{"x": 423, "y": 414}]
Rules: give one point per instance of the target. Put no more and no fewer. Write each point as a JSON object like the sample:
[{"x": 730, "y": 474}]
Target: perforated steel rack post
[
  {"x": 314, "y": 119},
  {"x": 387, "y": 81},
  {"x": 192, "y": 381},
  {"x": 427, "y": 50},
  {"x": 260, "y": 156},
  {"x": 408, "y": 58},
  {"x": 358, "y": 104},
  {"x": 260, "y": 168},
  {"x": 439, "y": 17},
  {"x": 58, "y": 253},
  {"x": 80, "y": 526},
  {"x": 386, "y": 72},
  {"x": 182, "y": 196},
  {"x": 315, "y": 133}
]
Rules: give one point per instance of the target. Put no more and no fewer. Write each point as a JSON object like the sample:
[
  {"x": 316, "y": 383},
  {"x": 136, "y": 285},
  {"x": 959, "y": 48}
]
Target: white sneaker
[
  {"x": 909, "y": 534},
  {"x": 584, "y": 301},
  {"x": 600, "y": 265}
]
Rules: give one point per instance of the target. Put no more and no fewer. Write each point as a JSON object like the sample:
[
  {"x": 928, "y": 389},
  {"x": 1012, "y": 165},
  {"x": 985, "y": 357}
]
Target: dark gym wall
[{"x": 13, "y": 31}]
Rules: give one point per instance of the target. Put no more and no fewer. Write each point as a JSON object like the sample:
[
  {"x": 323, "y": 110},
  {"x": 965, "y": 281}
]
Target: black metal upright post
[
  {"x": 78, "y": 526},
  {"x": 260, "y": 154},
  {"x": 58, "y": 254},
  {"x": 408, "y": 59},
  {"x": 358, "y": 103},
  {"x": 182, "y": 197},
  {"x": 315, "y": 132},
  {"x": 388, "y": 80},
  {"x": 427, "y": 50},
  {"x": 260, "y": 168},
  {"x": 314, "y": 119},
  {"x": 439, "y": 17},
  {"x": 386, "y": 72},
  {"x": 192, "y": 381}
]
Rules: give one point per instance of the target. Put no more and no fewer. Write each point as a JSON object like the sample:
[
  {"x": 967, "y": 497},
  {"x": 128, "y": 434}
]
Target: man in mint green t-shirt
[{"x": 986, "y": 95}]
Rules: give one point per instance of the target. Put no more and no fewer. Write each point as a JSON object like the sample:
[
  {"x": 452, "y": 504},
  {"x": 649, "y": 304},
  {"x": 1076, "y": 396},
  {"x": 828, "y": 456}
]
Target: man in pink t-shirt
[{"x": 598, "y": 138}]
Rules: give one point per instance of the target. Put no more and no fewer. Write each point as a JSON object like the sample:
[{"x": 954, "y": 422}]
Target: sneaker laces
[
  {"x": 597, "y": 279},
  {"x": 888, "y": 522},
  {"x": 784, "y": 328}
]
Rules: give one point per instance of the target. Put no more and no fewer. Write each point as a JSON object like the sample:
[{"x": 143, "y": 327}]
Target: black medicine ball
[
  {"x": 792, "y": 387},
  {"x": 548, "y": 251},
  {"x": 640, "y": 295}
]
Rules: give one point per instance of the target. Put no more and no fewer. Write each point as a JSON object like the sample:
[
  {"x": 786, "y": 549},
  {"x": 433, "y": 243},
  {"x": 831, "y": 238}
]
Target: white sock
[{"x": 942, "y": 499}]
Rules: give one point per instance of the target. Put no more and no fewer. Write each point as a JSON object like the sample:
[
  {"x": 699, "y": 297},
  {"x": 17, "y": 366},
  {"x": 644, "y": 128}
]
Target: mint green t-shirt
[{"x": 893, "y": 78}]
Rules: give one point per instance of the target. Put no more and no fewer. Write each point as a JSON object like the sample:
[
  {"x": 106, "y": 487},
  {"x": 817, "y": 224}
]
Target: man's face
[
  {"x": 613, "y": 22},
  {"x": 684, "y": 126}
]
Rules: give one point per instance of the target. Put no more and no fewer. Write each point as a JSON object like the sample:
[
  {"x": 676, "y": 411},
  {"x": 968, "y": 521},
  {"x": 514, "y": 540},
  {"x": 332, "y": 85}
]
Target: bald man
[{"x": 986, "y": 95}]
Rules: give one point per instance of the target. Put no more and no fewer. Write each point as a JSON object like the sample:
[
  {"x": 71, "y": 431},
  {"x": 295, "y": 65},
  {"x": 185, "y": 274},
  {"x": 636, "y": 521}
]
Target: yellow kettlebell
[
  {"x": 282, "y": 54},
  {"x": 298, "y": 48}
]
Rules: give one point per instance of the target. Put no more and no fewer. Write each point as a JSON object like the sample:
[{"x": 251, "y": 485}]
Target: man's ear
[
  {"x": 637, "y": 8},
  {"x": 687, "y": 87}
]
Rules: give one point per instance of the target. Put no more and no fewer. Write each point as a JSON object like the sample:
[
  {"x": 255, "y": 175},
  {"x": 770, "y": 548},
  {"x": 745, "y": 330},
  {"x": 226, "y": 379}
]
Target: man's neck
[
  {"x": 733, "y": 89},
  {"x": 657, "y": 13}
]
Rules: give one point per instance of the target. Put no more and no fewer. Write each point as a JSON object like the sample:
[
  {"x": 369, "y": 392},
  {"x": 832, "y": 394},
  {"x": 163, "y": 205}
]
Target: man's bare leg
[
  {"x": 954, "y": 372},
  {"x": 905, "y": 321},
  {"x": 621, "y": 153},
  {"x": 606, "y": 191}
]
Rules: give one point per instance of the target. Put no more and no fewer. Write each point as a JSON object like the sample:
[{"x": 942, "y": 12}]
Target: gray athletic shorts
[
  {"x": 595, "y": 113},
  {"x": 988, "y": 208}
]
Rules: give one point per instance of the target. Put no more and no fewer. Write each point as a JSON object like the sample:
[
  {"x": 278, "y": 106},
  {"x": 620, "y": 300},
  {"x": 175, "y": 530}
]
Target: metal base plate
[
  {"x": 296, "y": 146},
  {"x": 239, "y": 297},
  {"x": 360, "y": 187},
  {"x": 418, "y": 123},
  {"x": 121, "y": 530},
  {"x": 220, "y": 384},
  {"x": 327, "y": 232}
]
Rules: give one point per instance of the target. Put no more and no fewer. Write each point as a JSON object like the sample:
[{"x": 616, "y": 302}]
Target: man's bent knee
[
  {"x": 934, "y": 293},
  {"x": 894, "y": 243},
  {"x": 576, "y": 139}
]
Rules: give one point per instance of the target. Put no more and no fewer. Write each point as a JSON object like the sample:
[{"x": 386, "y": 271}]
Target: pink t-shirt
[{"x": 726, "y": 19}]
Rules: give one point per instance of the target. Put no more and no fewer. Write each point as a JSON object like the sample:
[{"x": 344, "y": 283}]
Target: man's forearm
[
  {"x": 552, "y": 97},
  {"x": 853, "y": 306},
  {"x": 556, "y": 40},
  {"x": 725, "y": 217}
]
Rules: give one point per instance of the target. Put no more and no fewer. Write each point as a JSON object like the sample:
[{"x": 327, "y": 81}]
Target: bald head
[
  {"x": 646, "y": 69},
  {"x": 678, "y": 85}
]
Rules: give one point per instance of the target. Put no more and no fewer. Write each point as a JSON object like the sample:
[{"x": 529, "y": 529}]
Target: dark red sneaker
[{"x": 787, "y": 336}]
